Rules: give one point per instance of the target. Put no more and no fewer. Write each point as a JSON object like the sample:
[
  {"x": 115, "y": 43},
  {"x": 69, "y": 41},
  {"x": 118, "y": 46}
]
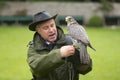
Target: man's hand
[{"x": 66, "y": 51}]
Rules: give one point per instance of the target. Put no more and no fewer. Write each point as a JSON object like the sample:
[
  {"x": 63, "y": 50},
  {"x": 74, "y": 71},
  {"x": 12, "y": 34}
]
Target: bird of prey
[
  {"x": 79, "y": 38},
  {"x": 77, "y": 32}
]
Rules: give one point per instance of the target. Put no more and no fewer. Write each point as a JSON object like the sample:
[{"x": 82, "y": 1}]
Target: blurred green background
[
  {"x": 15, "y": 36},
  {"x": 13, "y": 53}
]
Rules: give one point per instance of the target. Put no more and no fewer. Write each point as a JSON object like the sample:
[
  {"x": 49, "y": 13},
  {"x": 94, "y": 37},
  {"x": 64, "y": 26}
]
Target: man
[{"x": 51, "y": 55}]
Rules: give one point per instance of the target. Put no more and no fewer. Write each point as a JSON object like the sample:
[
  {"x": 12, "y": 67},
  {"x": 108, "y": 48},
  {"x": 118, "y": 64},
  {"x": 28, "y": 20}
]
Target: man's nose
[{"x": 50, "y": 29}]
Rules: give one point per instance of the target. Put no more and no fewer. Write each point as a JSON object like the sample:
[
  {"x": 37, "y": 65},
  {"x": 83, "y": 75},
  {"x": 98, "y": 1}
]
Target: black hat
[{"x": 40, "y": 17}]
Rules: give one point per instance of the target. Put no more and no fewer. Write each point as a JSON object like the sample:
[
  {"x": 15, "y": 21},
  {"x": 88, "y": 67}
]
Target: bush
[
  {"x": 95, "y": 21},
  {"x": 22, "y": 12}
]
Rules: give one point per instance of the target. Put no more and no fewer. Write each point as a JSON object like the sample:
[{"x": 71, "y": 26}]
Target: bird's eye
[{"x": 70, "y": 19}]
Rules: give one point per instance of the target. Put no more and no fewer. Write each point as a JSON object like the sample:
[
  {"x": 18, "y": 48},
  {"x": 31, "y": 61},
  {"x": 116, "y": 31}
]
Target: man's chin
[{"x": 52, "y": 39}]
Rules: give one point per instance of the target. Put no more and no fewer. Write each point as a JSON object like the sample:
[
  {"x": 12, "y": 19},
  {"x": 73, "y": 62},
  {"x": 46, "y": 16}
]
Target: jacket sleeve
[
  {"x": 79, "y": 67},
  {"x": 40, "y": 63}
]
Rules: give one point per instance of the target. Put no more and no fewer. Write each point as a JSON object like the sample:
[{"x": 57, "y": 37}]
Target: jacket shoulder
[{"x": 30, "y": 43}]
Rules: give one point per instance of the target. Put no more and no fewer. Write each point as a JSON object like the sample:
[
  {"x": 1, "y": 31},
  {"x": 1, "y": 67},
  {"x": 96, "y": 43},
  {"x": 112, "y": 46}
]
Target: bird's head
[{"x": 69, "y": 19}]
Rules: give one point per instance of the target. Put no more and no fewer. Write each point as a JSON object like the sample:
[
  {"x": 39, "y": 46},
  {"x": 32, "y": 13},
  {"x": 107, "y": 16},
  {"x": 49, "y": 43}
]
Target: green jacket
[{"x": 46, "y": 63}]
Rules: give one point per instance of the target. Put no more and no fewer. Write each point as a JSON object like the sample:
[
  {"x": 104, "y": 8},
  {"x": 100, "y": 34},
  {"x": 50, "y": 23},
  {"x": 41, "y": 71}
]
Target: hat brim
[{"x": 32, "y": 26}]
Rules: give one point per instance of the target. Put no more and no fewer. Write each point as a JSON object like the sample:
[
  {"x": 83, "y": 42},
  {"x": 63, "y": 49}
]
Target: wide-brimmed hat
[{"x": 39, "y": 18}]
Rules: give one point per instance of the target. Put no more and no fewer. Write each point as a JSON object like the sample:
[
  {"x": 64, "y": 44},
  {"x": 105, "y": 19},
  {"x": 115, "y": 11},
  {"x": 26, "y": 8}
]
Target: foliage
[
  {"x": 2, "y": 6},
  {"x": 22, "y": 12},
  {"x": 95, "y": 21},
  {"x": 106, "y": 7},
  {"x": 66, "y": 0}
]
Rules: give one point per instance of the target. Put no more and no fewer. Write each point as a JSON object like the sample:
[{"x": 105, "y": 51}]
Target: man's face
[{"x": 47, "y": 30}]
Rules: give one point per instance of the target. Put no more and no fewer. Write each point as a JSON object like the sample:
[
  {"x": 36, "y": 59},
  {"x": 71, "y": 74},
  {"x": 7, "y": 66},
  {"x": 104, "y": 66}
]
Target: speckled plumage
[
  {"x": 77, "y": 32},
  {"x": 79, "y": 38}
]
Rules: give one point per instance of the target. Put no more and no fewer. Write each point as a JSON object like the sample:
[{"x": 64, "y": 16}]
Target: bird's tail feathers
[
  {"x": 84, "y": 56},
  {"x": 91, "y": 47}
]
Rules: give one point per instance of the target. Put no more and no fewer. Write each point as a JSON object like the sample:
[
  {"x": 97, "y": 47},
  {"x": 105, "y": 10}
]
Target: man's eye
[
  {"x": 45, "y": 28},
  {"x": 52, "y": 25}
]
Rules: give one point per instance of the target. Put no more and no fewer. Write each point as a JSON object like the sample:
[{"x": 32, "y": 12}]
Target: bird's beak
[{"x": 67, "y": 19}]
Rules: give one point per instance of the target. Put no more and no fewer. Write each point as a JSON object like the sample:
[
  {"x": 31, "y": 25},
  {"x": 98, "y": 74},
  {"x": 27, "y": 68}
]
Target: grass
[
  {"x": 13, "y": 49},
  {"x": 13, "y": 53}
]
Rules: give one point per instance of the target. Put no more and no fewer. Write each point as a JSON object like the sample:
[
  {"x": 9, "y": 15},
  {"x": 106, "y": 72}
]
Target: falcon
[
  {"x": 79, "y": 38},
  {"x": 77, "y": 32}
]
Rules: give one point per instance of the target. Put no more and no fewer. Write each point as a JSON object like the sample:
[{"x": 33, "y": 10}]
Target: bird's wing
[{"x": 78, "y": 33}]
